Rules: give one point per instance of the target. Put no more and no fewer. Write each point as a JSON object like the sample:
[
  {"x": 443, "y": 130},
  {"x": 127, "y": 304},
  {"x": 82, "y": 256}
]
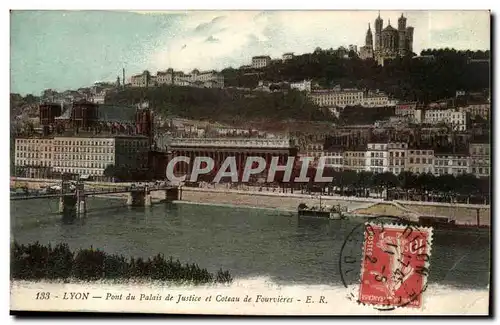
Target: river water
[{"x": 248, "y": 242}]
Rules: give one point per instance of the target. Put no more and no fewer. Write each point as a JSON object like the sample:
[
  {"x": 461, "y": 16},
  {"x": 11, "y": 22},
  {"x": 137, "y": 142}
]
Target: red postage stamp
[{"x": 395, "y": 265}]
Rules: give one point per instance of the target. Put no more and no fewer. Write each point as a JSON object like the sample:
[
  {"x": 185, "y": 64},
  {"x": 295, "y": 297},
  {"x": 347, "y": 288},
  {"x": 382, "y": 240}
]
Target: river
[{"x": 247, "y": 242}]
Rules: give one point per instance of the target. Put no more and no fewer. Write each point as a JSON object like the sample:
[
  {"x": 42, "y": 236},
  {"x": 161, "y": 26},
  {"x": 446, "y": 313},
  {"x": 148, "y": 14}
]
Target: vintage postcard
[{"x": 235, "y": 163}]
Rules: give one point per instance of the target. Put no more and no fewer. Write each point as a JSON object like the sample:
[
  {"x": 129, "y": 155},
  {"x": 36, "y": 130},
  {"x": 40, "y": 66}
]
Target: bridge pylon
[{"x": 139, "y": 197}]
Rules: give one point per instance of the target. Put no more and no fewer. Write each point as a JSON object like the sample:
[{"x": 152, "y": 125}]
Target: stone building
[{"x": 389, "y": 42}]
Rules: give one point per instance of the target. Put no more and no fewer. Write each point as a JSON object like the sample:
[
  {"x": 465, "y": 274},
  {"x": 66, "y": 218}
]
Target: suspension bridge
[{"x": 74, "y": 201}]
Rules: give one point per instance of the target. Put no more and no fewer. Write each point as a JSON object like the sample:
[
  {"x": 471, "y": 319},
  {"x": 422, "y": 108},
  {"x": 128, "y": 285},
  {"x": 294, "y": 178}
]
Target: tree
[
  {"x": 407, "y": 181},
  {"x": 467, "y": 185},
  {"x": 386, "y": 180},
  {"x": 110, "y": 171},
  {"x": 425, "y": 182},
  {"x": 364, "y": 181},
  {"x": 347, "y": 179}
]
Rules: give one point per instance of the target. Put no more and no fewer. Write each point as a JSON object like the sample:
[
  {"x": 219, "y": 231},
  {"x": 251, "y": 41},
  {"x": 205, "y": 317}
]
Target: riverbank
[{"x": 461, "y": 213}]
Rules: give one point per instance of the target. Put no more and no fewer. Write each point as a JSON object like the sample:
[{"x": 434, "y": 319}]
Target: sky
[{"x": 71, "y": 49}]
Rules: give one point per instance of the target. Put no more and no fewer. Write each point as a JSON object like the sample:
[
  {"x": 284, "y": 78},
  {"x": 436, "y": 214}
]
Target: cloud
[
  {"x": 48, "y": 42},
  {"x": 212, "y": 39},
  {"x": 243, "y": 34},
  {"x": 231, "y": 39},
  {"x": 209, "y": 25}
]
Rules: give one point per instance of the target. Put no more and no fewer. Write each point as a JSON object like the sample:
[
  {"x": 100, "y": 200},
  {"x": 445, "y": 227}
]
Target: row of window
[
  {"x": 396, "y": 170},
  {"x": 377, "y": 162},
  {"x": 85, "y": 149},
  {"x": 421, "y": 152},
  {"x": 377, "y": 146},
  {"x": 480, "y": 162},
  {"x": 33, "y": 155},
  {"x": 480, "y": 170},
  {"x": 418, "y": 170},
  {"x": 480, "y": 151},
  {"x": 84, "y": 157},
  {"x": 96, "y": 172},
  {"x": 334, "y": 161},
  {"x": 83, "y": 142},
  {"x": 377, "y": 100},
  {"x": 396, "y": 154},
  {"x": 377, "y": 154},
  {"x": 35, "y": 148},
  {"x": 336, "y": 102},
  {"x": 355, "y": 154},
  {"x": 33, "y": 163},
  {"x": 32, "y": 141},
  {"x": 447, "y": 162},
  {"x": 355, "y": 162},
  {"x": 397, "y": 162},
  {"x": 419, "y": 160},
  {"x": 454, "y": 171},
  {"x": 80, "y": 164}
]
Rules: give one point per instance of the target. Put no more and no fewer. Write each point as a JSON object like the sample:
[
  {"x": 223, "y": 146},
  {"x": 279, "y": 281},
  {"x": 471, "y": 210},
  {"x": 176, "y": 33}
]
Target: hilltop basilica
[{"x": 389, "y": 41}]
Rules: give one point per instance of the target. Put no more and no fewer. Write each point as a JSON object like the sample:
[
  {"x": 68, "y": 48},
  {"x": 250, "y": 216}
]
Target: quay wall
[{"x": 462, "y": 213}]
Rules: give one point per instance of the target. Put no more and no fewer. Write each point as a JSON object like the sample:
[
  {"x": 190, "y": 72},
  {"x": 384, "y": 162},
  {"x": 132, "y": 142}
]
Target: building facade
[
  {"x": 340, "y": 98},
  {"x": 482, "y": 110},
  {"x": 480, "y": 161},
  {"x": 314, "y": 150},
  {"x": 142, "y": 80},
  {"x": 451, "y": 164},
  {"x": 334, "y": 159},
  {"x": 405, "y": 109},
  {"x": 377, "y": 157},
  {"x": 262, "y": 61},
  {"x": 220, "y": 148},
  {"x": 458, "y": 120},
  {"x": 201, "y": 79},
  {"x": 397, "y": 157},
  {"x": 420, "y": 161},
  {"x": 33, "y": 156},
  {"x": 287, "y": 56},
  {"x": 376, "y": 100},
  {"x": 305, "y": 85},
  {"x": 90, "y": 155},
  {"x": 355, "y": 160}
]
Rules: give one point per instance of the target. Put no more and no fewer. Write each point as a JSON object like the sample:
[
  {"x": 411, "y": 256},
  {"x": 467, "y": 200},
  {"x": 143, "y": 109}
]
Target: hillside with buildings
[
  {"x": 434, "y": 75},
  {"x": 227, "y": 105}
]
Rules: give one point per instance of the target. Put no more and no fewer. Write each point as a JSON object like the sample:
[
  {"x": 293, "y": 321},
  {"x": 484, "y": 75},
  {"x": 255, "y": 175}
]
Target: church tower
[
  {"x": 379, "y": 24},
  {"x": 366, "y": 52},
  {"x": 402, "y": 46},
  {"x": 369, "y": 37}
]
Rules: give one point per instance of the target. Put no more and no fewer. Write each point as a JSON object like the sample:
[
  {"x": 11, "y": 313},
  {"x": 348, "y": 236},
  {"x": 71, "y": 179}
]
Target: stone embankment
[{"x": 462, "y": 213}]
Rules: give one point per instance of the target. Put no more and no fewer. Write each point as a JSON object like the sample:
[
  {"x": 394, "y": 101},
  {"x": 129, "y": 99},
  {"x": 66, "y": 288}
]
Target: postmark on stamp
[{"x": 394, "y": 256}]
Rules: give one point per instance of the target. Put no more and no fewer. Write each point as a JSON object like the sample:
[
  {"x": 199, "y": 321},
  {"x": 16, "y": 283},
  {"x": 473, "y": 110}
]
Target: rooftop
[
  {"x": 99, "y": 135},
  {"x": 108, "y": 113}
]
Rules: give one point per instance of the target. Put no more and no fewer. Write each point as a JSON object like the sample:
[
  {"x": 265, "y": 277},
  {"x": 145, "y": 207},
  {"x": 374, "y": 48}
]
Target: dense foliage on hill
[
  {"x": 362, "y": 115},
  {"x": 222, "y": 104},
  {"x": 403, "y": 78},
  {"x": 40, "y": 262},
  {"x": 23, "y": 105}
]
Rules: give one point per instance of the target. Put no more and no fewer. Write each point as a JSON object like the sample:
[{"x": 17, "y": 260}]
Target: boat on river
[{"x": 328, "y": 212}]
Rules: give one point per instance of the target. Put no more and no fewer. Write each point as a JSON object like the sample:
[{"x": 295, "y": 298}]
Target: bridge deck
[{"x": 89, "y": 193}]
